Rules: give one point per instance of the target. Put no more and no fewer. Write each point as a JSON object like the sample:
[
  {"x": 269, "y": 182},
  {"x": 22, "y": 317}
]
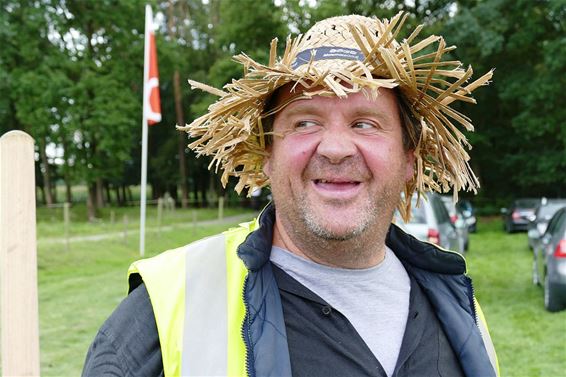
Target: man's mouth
[
  {"x": 332, "y": 181},
  {"x": 336, "y": 184}
]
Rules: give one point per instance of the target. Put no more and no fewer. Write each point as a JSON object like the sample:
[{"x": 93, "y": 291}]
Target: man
[{"x": 344, "y": 126}]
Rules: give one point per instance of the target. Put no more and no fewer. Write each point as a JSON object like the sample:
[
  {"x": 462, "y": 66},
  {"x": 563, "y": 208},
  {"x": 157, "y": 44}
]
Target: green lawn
[
  {"x": 80, "y": 287},
  {"x": 529, "y": 340},
  {"x": 112, "y": 219}
]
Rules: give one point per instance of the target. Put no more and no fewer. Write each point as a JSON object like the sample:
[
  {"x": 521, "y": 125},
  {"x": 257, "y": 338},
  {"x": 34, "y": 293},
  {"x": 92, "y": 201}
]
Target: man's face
[{"x": 339, "y": 166}]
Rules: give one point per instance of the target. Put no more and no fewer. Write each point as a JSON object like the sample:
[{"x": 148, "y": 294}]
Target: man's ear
[{"x": 410, "y": 167}]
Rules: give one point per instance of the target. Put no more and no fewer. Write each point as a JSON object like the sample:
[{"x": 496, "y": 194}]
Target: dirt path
[{"x": 166, "y": 228}]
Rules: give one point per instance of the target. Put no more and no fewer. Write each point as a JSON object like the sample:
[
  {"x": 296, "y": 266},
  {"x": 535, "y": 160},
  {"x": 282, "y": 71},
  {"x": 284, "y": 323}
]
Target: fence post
[{"x": 19, "y": 324}]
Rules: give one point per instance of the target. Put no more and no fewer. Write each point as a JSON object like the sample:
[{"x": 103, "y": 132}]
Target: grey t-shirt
[{"x": 375, "y": 300}]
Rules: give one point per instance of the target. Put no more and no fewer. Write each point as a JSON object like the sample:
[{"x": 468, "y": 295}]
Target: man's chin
[{"x": 333, "y": 232}]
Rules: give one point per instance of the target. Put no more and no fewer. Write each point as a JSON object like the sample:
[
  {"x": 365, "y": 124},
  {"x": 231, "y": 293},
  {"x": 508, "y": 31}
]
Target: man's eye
[
  {"x": 306, "y": 126},
  {"x": 364, "y": 126}
]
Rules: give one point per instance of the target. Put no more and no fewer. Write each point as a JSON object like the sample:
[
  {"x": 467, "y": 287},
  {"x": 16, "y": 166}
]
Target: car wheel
[
  {"x": 508, "y": 227},
  {"x": 551, "y": 301},
  {"x": 536, "y": 280}
]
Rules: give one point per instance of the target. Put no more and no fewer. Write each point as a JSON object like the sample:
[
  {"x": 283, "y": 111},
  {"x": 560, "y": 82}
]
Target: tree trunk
[
  {"x": 118, "y": 198},
  {"x": 54, "y": 191},
  {"x": 182, "y": 140},
  {"x": 124, "y": 196},
  {"x": 91, "y": 202},
  {"x": 180, "y": 116},
  {"x": 45, "y": 172},
  {"x": 107, "y": 192},
  {"x": 42, "y": 190},
  {"x": 99, "y": 193},
  {"x": 195, "y": 192},
  {"x": 67, "y": 175}
]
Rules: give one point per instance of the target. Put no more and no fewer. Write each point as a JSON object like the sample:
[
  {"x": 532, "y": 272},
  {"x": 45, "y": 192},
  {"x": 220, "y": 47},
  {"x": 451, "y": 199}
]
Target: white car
[{"x": 430, "y": 222}]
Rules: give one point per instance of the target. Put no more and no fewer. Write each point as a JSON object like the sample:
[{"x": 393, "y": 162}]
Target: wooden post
[
  {"x": 220, "y": 207},
  {"x": 67, "y": 220},
  {"x": 19, "y": 324}
]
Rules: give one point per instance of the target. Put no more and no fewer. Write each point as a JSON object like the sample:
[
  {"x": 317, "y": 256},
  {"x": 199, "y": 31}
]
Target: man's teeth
[{"x": 326, "y": 181}]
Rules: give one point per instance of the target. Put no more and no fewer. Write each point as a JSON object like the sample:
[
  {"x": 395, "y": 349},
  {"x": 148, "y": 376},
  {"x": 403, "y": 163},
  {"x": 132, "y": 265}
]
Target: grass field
[
  {"x": 80, "y": 287},
  {"x": 529, "y": 340}
]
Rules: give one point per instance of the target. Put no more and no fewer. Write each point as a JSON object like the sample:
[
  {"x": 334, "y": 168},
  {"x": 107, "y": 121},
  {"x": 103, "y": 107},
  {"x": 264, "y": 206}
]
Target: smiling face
[{"x": 336, "y": 169}]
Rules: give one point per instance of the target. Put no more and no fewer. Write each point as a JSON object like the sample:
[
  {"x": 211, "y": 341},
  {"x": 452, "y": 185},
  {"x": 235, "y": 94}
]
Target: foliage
[
  {"x": 519, "y": 119},
  {"x": 71, "y": 73}
]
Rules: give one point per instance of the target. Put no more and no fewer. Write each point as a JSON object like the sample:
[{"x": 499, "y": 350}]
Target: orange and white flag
[{"x": 151, "y": 99}]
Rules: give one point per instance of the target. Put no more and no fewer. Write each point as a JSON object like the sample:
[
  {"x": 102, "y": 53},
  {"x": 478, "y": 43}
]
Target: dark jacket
[{"x": 440, "y": 274}]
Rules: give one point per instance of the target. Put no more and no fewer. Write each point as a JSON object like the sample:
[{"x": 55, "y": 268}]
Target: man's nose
[{"x": 336, "y": 145}]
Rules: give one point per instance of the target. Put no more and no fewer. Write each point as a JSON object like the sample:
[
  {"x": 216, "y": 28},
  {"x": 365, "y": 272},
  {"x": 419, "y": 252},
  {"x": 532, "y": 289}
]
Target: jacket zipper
[
  {"x": 246, "y": 332},
  {"x": 474, "y": 309}
]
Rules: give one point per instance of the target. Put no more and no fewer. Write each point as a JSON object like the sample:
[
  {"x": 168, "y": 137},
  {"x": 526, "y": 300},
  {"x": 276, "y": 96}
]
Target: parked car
[
  {"x": 518, "y": 216},
  {"x": 543, "y": 213},
  {"x": 469, "y": 214},
  {"x": 549, "y": 262},
  {"x": 430, "y": 222},
  {"x": 459, "y": 220}
]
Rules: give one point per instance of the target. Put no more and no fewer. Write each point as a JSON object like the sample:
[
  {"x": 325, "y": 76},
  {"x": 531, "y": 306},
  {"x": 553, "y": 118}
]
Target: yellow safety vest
[{"x": 196, "y": 292}]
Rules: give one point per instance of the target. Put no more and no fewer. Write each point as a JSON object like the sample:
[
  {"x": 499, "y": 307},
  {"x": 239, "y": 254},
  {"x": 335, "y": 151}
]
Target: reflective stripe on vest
[
  {"x": 482, "y": 324},
  {"x": 197, "y": 297}
]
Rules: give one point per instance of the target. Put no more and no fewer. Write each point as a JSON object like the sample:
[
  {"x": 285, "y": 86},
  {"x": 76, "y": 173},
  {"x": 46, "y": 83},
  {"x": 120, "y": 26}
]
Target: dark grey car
[
  {"x": 543, "y": 213},
  {"x": 519, "y": 215},
  {"x": 549, "y": 262}
]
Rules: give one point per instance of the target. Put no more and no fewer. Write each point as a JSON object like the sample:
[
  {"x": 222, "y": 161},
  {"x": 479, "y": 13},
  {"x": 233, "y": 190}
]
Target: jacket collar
[{"x": 255, "y": 251}]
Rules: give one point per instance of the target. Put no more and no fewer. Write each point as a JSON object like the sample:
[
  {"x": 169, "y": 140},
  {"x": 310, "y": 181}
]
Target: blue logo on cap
[{"x": 325, "y": 53}]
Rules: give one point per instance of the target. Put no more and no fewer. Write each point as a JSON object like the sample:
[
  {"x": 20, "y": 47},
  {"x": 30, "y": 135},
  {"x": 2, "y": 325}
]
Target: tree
[
  {"x": 32, "y": 71},
  {"x": 519, "y": 118},
  {"x": 106, "y": 54}
]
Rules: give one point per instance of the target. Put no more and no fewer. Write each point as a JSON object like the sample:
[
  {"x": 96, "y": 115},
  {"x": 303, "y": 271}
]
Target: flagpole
[{"x": 148, "y": 20}]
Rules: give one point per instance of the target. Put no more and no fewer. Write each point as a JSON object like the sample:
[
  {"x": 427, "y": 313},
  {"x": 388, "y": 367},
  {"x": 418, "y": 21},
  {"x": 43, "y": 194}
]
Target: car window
[
  {"x": 440, "y": 211},
  {"x": 549, "y": 209},
  {"x": 554, "y": 221},
  {"x": 561, "y": 226},
  {"x": 464, "y": 205},
  {"x": 526, "y": 203}
]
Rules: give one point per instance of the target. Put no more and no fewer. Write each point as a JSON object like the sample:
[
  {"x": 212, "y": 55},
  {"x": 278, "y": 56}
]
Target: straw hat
[{"x": 344, "y": 55}]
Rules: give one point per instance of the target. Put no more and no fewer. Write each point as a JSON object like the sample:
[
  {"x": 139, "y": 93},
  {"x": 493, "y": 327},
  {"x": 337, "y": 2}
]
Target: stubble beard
[
  {"x": 326, "y": 239},
  {"x": 310, "y": 229},
  {"x": 315, "y": 225}
]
